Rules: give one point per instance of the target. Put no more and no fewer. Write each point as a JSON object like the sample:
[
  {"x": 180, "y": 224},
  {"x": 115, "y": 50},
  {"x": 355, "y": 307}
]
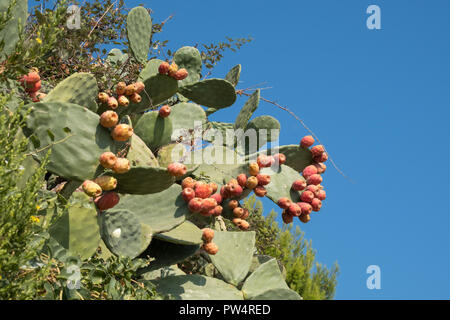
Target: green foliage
[{"x": 310, "y": 279}]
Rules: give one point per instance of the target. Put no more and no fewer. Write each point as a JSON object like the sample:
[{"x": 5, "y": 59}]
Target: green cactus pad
[
  {"x": 161, "y": 211},
  {"x": 143, "y": 180},
  {"x": 186, "y": 233},
  {"x": 190, "y": 59},
  {"x": 173, "y": 152},
  {"x": 139, "y": 32},
  {"x": 214, "y": 93},
  {"x": 122, "y": 232},
  {"x": 163, "y": 272},
  {"x": 280, "y": 185},
  {"x": 268, "y": 283},
  {"x": 79, "y": 88},
  {"x": 197, "y": 287},
  {"x": 77, "y": 230},
  {"x": 213, "y": 128},
  {"x": 296, "y": 157},
  {"x": 234, "y": 74},
  {"x": 184, "y": 117},
  {"x": 105, "y": 253},
  {"x": 150, "y": 69},
  {"x": 76, "y": 137},
  {"x": 258, "y": 124},
  {"x": 154, "y": 130},
  {"x": 166, "y": 254},
  {"x": 9, "y": 33},
  {"x": 139, "y": 154},
  {"x": 235, "y": 254},
  {"x": 116, "y": 57},
  {"x": 247, "y": 110}
]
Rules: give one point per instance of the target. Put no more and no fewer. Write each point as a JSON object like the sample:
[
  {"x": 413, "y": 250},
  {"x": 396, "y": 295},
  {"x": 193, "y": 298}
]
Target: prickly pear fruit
[
  {"x": 294, "y": 210},
  {"x": 263, "y": 179},
  {"x": 253, "y": 169},
  {"x": 316, "y": 204},
  {"x": 321, "y": 194},
  {"x": 122, "y": 132},
  {"x": 279, "y": 158},
  {"x": 307, "y": 141},
  {"x": 208, "y": 204},
  {"x": 260, "y": 191},
  {"x": 213, "y": 186},
  {"x": 195, "y": 205},
  {"x": 107, "y": 201},
  {"x": 33, "y": 87},
  {"x": 91, "y": 188},
  {"x": 309, "y": 171},
  {"x": 252, "y": 182},
  {"x": 321, "y": 167},
  {"x": 299, "y": 185},
  {"x": 112, "y": 103},
  {"x": 217, "y": 211},
  {"x": 108, "y": 159},
  {"x": 307, "y": 196},
  {"x": 163, "y": 68},
  {"x": 317, "y": 150},
  {"x": 40, "y": 95},
  {"x": 237, "y": 221},
  {"x": 224, "y": 192},
  {"x": 130, "y": 89},
  {"x": 238, "y": 212},
  {"x": 314, "y": 179},
  {"x": 208, "y": 235},
  {"x": 173, "y": 68},
  {"x": 304, "y": 218},
  {"x": 217, "y": 197},
  {"x": 135, "y": 98},
  {"x": 123, "y": 101},
  {"x": 306, "y": 207},
  {"x": 188, "y": 182},
  {"x": 245, "y": 214},
  {"x": 107, "y": 183},
  {"x": 287, "y": 218},
  {"x": 211, "y": 248},
  {"x": 284, "y": 203},
  {"x": 176, "y": 169},
  {"x": 120, "y": 88},
  {"x": 265, "y": 161},
  {"x": 103, "y": 97},
  {"x": 233, "y": 204},
  {"x": 313, "y": 188},
  {"x": 109, "y": 119},
  {"x": 321, "y": 158},
  {"x": 164, "y": 112},
  {"x": 122, "y": 165},
  {"x": 202, "y": 190},
  {"x": 188, "y": 194},
  {"x": 242, "y": 179},
  {"x": 244, "y": 225},
  {"x": 181, "y": 74},
  {"x": 31, "y": 77},
  {"x": 140, "y": 86}
]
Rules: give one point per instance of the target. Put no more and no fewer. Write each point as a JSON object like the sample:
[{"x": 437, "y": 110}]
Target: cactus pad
[
  {"x": 139, "y": 32},
  {"x": 154, "y": 130},
  {"x": 190, "y": 59},
  {"x": 139, "y": 154},
  {"x": 296, "y": 157},
  {"x": 234, "y": 74},
  {"x": 280, "y": 185},
  {"x": 247, "y": 110},
  {"x": 186, "y": 233},
  {"x": 9, "y": 33},
  {"x": 150, "y": 69},
  {"x": 214, "y": 93},
  {"x": 143, "y": 180},
  {"x": 185, "y": 117}
]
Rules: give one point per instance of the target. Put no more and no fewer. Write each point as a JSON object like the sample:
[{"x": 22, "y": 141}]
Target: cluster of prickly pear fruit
[
  {"x": 208, "y": 245},
  {"x": 32, "y": 84},
  {"x": 101, "y": 190},
  {"x": 201, "y": 197},
  {"x": 312, "y": 192},
  {"x": 124, "y": 94},
  {"x": 172, "y": 71}
]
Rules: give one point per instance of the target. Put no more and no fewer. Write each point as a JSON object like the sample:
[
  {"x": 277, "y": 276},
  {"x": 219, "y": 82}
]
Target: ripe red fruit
[
  {"x": 173, "y": 68},
  {"x": 237, "y": 221},
  {"x": 245, "y": 214},
  {"x": 287, "y": 218},
  {"x": 181, "y": 74},
  {"x": 263, "y": 179},
  {"x": 123, "y": 101},
  {"x": 317, "y": 150},
  {"x": 135, "y": 98},
  {"x": 316, "y": 204},
  {"x": 188, "y": 182},
  {"x": 294, "y": 210},
  {"x": 107, "y": 160},
  {"x": 238, "y": 212},
  {"x": 211, "y": 248},
  {"x": 244, "y": 225},
  {"x": 307, "y": 141},
  {"x": 195, "y": 205},
  {"x": 202, "y": 190},
  {"x": 130, "y": 89},
  {"x": 284, "y": 203},
  {"x": 213, "y": 186},
  {"x": 233, "y": 204},
  {"x": 313, "y": 188},
  {"x": 314, "y": 179},
  {"x": 265, "y": 161},
  {"x": 234, "y": 190},
  {"x": 304, "y": 218},
  {"x": 176, "y": 169},
  {"x": 321, "y": 195},
  {"x": 217, "y": 211},
  {"x": 33, "y": 87},
  {"x": 260, "y": 191},
  {"x": 321, "y": 167},
  {"x": 208, "y": 235},
  {"x": 109, "y": 119},
  {"x": 107, "y": 201},
  {"x": 31, "y": 77},
  {"x": 279, "y": 158},
  {"x": 306, "y": 207},
  {"x": 309, "y": 171},
  {"x": 217, "y": 197},
  {"x": 321, "y": 158},
  {"x": 224, "y": 193},
  {"x": 163, "y": 68},
  {"x": 307, "y": 196},
  {"x": 208, "y": 204},
  {"x": 120, "y": 88},
  {"x": 299, "y": 185},
  {"x": 122, "y": 132},
  {"x": 112, "y": 103},
  {"x": 122, "y": 165},
  {"x": 242, "y": 179},
  {"x": 251, "y": 183},
  {"x": 103, "y": 97},
  {"x": 140, "y": 86},
  {"x": 188, "y": 194},
  {"x": 164, "y": 112}
]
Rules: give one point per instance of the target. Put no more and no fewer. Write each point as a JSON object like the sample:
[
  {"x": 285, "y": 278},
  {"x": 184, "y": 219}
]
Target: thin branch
[{"x": 96, "y": 24}]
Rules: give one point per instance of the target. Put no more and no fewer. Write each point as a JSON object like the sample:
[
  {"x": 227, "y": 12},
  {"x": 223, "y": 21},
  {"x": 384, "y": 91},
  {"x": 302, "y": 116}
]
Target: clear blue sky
[{"x": 380, "y": 102}]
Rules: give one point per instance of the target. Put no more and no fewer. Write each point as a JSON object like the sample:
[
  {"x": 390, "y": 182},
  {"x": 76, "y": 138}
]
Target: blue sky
[{"x": 378, "y": 99}]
